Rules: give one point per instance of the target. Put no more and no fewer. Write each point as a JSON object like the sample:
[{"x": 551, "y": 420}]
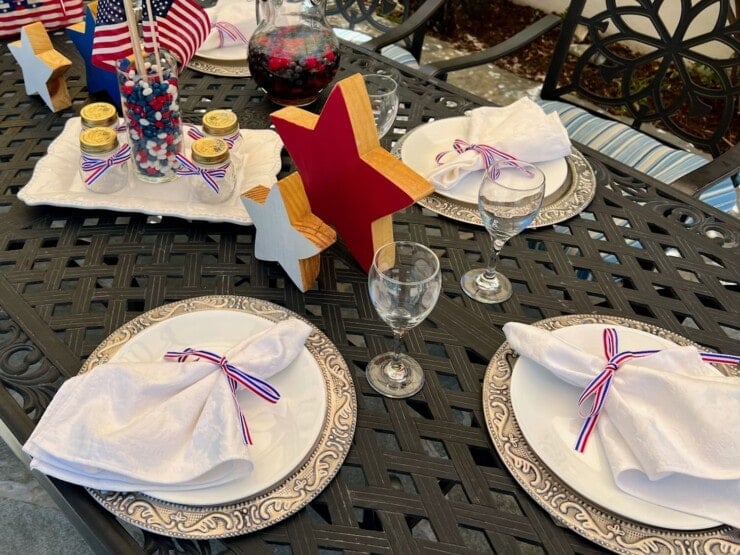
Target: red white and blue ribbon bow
[
  {"x": 229, "y": 31},
  {"x": 598, "y": 389},
  {"x": 207, "y": 175},
  {"x": 96, "y": 167},
  {"x": 235, "y": 377},
  {"x": 195, "y": 134},
  {"x": 490, "y": 154}
]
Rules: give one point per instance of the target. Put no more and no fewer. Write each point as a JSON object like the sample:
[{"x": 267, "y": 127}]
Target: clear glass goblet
[
  {"x": 509, "y": 198},
  {"x": 383, "y": 93},
  {"x": 404, "y": 283}
]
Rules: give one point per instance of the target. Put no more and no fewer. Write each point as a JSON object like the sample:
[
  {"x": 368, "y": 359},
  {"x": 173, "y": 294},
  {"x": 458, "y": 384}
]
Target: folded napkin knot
[
  {"x": 97, "y": 166},
  {"x": 235, "y": 376},
  {"x": 209, "y": 176},
  {"x": 489, "y": 154},
  {"x": 231, "y": 32},
  {"x": 195, "y": 134},
  {"x": 599, "y": 387}
]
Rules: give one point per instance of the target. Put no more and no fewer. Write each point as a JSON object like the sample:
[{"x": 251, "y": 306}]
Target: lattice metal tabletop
[{"x": 422, "y": 475}]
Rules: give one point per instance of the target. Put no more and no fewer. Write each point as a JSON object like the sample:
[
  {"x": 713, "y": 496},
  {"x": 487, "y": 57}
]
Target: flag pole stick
[
  {"x": 135, "y": 42},
  {"x": 155, "y": 41}
]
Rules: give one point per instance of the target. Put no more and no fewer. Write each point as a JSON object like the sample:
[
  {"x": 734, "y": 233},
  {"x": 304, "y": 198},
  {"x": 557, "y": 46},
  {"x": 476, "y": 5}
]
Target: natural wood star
[
  {"x": 287, "y": 231},
  {"x": 351, "y": 181},
  {"x": 43, "y": 67}
]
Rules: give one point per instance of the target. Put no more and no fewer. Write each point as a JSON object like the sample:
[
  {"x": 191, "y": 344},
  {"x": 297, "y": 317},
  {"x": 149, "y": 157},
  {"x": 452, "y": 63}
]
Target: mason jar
[
  {"x": 223, "y": 124},
  {"x": 214, "y": 178},
  {"x": 104, "y": 164}
]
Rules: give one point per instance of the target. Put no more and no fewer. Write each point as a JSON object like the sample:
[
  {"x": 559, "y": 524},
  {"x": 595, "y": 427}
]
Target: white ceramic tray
[{"x": 56, "y": 181}]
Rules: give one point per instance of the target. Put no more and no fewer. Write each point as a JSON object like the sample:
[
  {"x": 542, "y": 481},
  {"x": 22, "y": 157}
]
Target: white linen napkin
[
  {"x": 521, "y": 129},
  {"x": 232, "y": 13},
  {"x": 670, "y": 426},
  {"x": 159, "y": 425}
]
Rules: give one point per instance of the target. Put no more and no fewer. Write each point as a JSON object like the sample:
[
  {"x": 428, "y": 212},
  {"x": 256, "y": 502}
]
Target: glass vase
[{"x": 151, "y": 110}]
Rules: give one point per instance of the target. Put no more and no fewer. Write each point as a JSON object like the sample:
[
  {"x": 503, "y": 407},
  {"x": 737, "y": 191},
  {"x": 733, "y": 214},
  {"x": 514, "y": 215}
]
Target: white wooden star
[
  {"x": 43, "y": 66},
  {"x": 287, "y": 231}
]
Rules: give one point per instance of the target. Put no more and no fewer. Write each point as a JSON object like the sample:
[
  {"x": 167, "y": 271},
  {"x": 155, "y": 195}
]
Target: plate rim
[
  {"x": 572, "y": 201},
  {"x": 265, "y": 508},
  {"x": 220, "y": 68},
  {"x": 565, "y": 505}
]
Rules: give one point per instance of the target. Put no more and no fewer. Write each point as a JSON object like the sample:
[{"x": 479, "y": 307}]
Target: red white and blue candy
[{"x": 153, "y": 117}]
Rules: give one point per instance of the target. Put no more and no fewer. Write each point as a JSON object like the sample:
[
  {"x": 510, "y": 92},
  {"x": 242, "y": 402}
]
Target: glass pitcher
[{"x": 293, "y": 53}]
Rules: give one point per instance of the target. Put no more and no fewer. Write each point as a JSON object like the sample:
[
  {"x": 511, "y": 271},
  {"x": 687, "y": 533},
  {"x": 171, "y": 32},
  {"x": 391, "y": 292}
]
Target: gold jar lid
[
  {"x": 220, "y": 122},
  {"x": 209, "y": 151},
  {"x": 98, "y": 114},
  {"x": 98, "y": 139}
]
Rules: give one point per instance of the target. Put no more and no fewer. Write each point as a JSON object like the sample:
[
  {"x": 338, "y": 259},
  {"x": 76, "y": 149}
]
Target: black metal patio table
[{"x": 422, "y": 475}]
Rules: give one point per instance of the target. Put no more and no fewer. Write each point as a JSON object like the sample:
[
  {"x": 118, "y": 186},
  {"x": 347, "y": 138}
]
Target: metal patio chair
[{"x": 657, "y": 88}]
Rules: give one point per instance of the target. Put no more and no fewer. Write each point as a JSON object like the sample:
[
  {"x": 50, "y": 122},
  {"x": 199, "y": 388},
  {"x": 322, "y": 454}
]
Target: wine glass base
[
  {"x": 475, "y": 287},
  {"x": 380, "y": 380}
]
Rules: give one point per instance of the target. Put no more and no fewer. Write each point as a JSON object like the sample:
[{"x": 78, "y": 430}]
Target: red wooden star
[{"x": 352, "y": 182}]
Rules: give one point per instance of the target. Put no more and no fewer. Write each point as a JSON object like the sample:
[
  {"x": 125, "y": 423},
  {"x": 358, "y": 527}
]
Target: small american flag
[
  {"x": 111, "y": 40},
  {"x": 14, "y": 14},
  {"x": 181, "y": 26}
]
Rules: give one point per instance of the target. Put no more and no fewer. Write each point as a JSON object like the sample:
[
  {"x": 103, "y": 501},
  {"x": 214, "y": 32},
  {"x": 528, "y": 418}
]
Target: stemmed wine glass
[
  {"x": 509, "y": 198},
  {"x": 383, "y": 93},
  {"x": 404, "y": 283}
]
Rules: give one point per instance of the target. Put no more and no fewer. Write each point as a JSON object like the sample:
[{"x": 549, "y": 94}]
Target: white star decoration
[
  {"x": 287, "y": 231},
  {"x": 43, "y": 67}
]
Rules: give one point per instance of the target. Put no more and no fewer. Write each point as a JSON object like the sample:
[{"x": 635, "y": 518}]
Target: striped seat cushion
[
  {"x": 637, "y": 150},
  {"x": 395, "y": 53}
]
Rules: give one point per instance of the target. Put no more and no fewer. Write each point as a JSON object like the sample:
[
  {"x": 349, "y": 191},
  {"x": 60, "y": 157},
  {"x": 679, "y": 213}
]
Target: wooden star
[
  {"x": 81, "y": 34},
  {"x": 287, "y": 231},
  {"x": 352, "y": 182},
  {"x": 43, "y": 67}
]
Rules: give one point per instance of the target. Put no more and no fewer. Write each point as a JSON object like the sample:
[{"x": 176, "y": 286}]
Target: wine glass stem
[
  {"x": 490, "y": 273},
  {"x": 395, "y": 369}
]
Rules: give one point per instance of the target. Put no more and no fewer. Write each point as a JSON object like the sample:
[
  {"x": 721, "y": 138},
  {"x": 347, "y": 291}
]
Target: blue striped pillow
[{"x": 637, "y": 150}]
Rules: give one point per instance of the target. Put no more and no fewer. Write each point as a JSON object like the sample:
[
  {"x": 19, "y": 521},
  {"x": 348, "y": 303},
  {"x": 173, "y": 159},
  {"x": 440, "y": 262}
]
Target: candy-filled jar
[
  {"x": 293, "y": 54},
  {"x": 151, "y": 110}
]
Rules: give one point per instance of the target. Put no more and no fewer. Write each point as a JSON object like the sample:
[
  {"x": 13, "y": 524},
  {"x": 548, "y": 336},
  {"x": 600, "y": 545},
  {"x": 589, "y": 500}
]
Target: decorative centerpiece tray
[{"x": 56, "y": 181}]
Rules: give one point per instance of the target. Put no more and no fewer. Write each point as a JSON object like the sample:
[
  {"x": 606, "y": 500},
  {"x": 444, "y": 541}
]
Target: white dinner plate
[
  {"x": 299, "y": 444},
  {"x": 422, "y": 144},
  {"x": 546, "y": 409},
  {"x": 283, "y": 433}
]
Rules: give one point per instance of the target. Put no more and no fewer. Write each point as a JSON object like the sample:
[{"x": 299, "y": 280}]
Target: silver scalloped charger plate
[
  {"x": 573, "y": 198},
  {"x": 222, "y": 68},
  {"x": 560, "y": 500},
  {"x": 304, "y": 456}
]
